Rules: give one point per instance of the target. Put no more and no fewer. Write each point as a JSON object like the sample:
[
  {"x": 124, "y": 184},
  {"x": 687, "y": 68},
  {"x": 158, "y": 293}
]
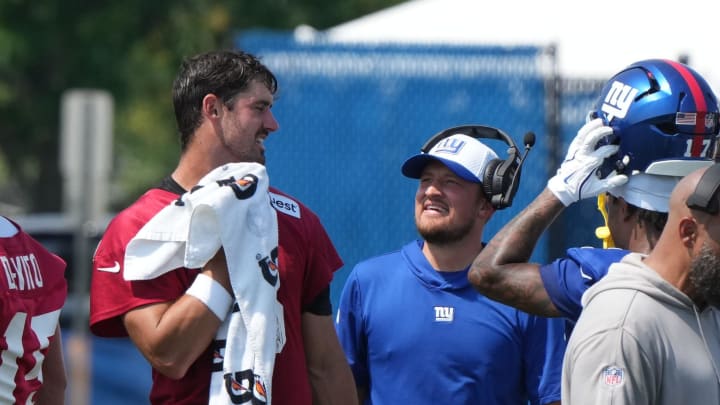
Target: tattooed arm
[{"x": 501, "y": 271}]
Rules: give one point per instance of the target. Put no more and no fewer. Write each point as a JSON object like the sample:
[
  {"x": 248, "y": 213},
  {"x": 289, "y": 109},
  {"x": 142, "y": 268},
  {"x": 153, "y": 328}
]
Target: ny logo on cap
[{"x": 450, "y": 145}]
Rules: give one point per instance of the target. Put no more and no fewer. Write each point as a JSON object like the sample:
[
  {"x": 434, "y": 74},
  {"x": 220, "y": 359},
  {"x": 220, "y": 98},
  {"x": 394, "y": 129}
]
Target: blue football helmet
[{"x": 664, "y": 116}]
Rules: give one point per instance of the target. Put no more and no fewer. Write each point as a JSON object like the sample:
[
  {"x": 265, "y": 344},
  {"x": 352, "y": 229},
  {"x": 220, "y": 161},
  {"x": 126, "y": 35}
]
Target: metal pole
[
  {"x": 79, "y": 345},
  {"x": 553, "y": 92}
]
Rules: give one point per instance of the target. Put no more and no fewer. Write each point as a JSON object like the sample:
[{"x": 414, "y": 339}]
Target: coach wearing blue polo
[{"x": 415, "y": 331}]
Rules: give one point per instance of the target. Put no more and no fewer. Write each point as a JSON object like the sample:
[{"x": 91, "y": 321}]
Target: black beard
[
  {"x": 705, "y": 276},
  {"x": 445, "y": 235}
]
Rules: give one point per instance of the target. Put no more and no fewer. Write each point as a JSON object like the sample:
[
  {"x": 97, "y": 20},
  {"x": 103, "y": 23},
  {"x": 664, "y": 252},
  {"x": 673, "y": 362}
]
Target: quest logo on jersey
[{"x": 284, "y": 205}]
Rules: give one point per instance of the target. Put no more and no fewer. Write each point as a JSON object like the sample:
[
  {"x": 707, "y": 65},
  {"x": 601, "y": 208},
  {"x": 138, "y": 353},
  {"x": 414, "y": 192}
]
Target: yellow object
[{"x": 603, "y": 232}]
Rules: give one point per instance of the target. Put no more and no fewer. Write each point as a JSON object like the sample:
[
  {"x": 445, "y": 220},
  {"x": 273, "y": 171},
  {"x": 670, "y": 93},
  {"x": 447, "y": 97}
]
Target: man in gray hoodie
[{"x": 650, "y": 330}]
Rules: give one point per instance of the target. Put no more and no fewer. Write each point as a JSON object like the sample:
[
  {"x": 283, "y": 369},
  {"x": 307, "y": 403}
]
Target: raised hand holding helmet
[{"x": 576, "y": 178}]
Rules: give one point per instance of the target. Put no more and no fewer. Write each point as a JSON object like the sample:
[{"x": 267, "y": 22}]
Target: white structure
[{"x": 593, "y": 39}]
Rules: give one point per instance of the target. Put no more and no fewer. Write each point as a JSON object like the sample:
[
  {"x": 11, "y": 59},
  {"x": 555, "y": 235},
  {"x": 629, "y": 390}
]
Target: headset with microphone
[
  {"x": 500, "y": 177},
  {"x": 705, "y": 196}
]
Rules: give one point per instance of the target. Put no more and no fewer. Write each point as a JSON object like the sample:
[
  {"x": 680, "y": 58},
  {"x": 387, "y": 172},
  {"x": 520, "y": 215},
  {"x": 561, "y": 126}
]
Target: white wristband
[{"x": 212, "y": 294}]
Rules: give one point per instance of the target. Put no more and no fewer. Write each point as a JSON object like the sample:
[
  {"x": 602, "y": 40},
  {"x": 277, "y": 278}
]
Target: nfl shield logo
[
  {"x": 710, "y": 121},
  {"x": 612, "y": 375}
]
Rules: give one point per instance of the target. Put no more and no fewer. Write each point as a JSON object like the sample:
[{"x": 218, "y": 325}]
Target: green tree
[{"x": 131, "y": 49}]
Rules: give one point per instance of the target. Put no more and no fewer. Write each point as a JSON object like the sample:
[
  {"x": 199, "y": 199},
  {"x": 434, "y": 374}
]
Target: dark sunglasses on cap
[{"x": 705, "y": 196}]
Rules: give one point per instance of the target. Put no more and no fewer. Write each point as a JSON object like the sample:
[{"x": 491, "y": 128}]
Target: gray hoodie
[{"x": 640, "y": 340}]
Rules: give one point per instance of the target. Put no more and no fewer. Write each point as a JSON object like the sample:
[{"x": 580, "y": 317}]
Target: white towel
[{"x": 230, "y": 207}]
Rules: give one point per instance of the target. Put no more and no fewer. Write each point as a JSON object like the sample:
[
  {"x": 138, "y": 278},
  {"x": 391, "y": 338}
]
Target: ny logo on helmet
[{"x": 618, "y": 99}]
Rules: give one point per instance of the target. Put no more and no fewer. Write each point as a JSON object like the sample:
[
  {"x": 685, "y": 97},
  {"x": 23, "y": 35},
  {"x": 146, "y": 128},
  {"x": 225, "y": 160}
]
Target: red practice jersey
[
  {"x": 306, "y": 260},
  {"x": 32, "y": 293}
]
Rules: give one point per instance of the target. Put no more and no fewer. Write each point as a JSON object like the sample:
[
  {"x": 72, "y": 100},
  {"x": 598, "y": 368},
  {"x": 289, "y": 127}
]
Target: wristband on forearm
[{"x": 212, "y": 294}]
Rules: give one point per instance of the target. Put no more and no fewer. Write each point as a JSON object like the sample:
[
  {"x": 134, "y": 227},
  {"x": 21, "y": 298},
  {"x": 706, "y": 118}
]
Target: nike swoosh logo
[
  {"x": 113, "y": 269},
  {"x": 582, "y": 274}
]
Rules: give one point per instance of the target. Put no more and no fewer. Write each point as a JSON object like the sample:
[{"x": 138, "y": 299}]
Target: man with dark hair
[{"x": 223, "y": 106}]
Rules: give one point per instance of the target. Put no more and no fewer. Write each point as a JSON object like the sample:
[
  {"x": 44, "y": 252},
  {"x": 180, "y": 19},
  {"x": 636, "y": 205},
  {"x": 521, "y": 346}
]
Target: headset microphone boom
[{"x": 529, "y": 141}]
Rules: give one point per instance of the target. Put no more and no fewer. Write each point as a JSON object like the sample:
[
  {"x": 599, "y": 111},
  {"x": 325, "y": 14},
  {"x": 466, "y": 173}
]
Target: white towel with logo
[{"x": 229, "y": 207}]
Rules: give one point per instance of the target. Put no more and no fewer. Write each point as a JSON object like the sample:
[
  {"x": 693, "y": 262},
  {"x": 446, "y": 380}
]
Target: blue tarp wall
[{"x": 351, "y": 114}]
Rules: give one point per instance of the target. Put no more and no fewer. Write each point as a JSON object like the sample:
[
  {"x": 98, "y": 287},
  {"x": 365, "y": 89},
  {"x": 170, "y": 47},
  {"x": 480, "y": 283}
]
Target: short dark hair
[
  {"x": 224, "y": 73},
  {"x": 652, "y": 221}
]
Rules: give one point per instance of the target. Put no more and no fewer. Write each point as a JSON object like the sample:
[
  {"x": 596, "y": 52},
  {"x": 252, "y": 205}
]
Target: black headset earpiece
[
  {"x": 705, "y": 195},
  {"x": 500, "y": 177}
]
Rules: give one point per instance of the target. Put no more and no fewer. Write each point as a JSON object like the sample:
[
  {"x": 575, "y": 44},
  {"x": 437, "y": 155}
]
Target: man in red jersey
[
  {"x": 32, "y": 293},
  {"x": 222, "y": 106}
]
